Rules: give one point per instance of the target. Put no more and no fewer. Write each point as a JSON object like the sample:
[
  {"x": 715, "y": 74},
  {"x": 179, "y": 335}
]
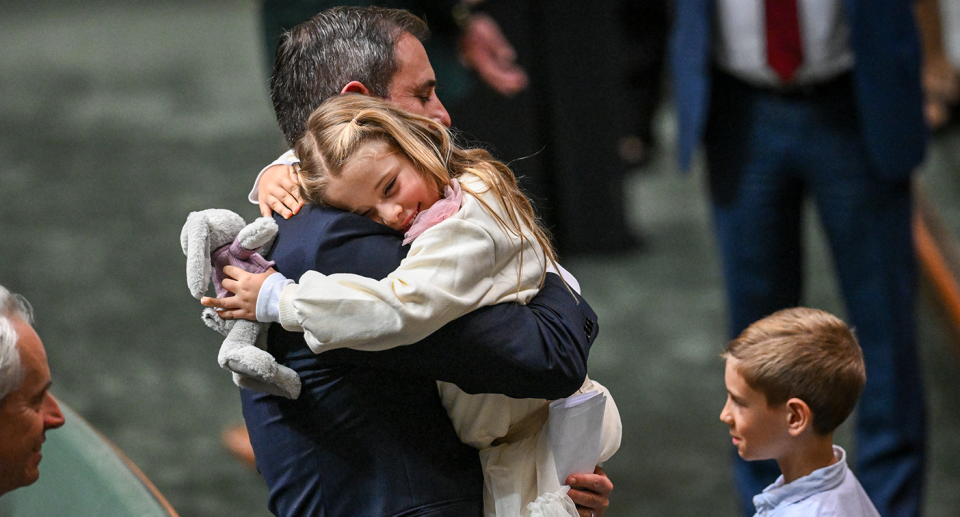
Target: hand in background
[
  {"x": 485, "y": 49},
  {"x": 941, "y": 79}
]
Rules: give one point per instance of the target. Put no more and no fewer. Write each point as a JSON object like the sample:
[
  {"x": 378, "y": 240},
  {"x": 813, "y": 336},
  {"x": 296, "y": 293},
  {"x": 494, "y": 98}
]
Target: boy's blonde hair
[
  {"x": 807, "y": 354},
  {"x": 343, "y": 124}
]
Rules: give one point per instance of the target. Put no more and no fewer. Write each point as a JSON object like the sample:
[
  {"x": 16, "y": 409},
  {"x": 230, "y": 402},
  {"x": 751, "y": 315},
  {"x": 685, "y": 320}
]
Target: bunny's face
[{"x": 204, "y": 232}]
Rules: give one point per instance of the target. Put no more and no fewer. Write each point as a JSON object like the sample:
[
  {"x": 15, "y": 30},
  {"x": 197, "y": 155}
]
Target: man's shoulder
[
  {"x": 331, "y": 241},
  {"x": 311, "y": 216},
  {"x": 300, "y": 236},
  {"x": 314, "y": 218},
  {"x": 316, "y": 223}
]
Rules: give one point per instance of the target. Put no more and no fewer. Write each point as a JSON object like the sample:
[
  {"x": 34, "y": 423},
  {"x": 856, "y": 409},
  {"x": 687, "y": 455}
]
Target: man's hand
[
  {"x": 245, "y": 287},
  {"x": 484, "y": 48},
  {"x": 279, "y": 191},
  {"x": 590, "y": 492}
]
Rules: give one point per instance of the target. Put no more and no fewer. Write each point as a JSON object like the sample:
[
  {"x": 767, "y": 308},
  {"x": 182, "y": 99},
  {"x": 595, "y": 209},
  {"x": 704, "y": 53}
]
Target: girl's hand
[
  {"x": 590, "y": 492},
  {"x": 279, "y": 191},
  {"x": 245, "y": 287}
]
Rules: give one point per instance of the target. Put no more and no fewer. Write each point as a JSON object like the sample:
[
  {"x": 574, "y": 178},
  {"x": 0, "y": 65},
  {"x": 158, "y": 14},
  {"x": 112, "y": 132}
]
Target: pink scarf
[{"x": 441, "y": 210}]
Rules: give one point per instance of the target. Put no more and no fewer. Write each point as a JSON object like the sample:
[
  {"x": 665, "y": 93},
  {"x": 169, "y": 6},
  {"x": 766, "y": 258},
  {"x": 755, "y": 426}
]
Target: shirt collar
[{"x": 817, "y": 481}]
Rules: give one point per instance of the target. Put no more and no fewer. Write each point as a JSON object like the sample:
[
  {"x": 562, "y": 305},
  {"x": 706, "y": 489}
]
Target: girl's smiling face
[{"x": 382, "y": 184}]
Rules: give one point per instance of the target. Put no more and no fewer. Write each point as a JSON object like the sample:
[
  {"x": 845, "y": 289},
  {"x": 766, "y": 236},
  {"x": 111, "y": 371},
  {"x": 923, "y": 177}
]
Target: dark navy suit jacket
[
  {"x": 886, "y": 78},
  {"x": 368, "y": 435}
]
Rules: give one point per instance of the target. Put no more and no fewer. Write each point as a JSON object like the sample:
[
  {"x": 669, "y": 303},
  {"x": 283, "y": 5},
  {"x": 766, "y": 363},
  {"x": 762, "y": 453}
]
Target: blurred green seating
[{"x": 84, "y": 475}]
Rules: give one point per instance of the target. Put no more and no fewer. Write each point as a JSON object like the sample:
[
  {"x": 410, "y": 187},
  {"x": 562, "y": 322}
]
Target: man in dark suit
[
  {"x": 559, "y": 134},
  {"x": 822, "y": 98},
  {"x": 368, "y": 435}
]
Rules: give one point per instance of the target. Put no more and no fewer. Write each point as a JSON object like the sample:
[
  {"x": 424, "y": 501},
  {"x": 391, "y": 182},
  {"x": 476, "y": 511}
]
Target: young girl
[{"x": 475, "y": 241}]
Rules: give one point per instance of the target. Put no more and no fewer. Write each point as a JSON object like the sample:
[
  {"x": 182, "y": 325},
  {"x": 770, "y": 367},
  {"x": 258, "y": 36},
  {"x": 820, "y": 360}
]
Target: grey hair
[
  {"x": 317, "y": 58},
  {"x": 11, "y": 369}
]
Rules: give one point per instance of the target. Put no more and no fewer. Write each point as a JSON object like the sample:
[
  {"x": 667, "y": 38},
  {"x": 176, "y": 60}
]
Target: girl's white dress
[{"x": 468, "y": 260}]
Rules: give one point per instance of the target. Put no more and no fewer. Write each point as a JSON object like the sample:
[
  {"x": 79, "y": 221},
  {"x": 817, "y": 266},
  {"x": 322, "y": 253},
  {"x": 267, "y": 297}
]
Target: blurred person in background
[
  {"x": 540, "y": 84},
  {"x": 818, "y": 98},
  {"x": 941, "y": 80}
]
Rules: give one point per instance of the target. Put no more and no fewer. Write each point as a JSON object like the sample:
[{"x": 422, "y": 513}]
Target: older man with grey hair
[{"x": 27, "y": 410}]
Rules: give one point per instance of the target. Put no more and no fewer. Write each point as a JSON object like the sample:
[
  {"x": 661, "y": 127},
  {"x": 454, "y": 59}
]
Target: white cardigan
[{"x": 446, "y": 274}]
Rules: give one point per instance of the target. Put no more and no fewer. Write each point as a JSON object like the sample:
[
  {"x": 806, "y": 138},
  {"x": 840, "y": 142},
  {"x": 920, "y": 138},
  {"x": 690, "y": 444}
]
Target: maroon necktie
[{"x": 784, "y": 46}]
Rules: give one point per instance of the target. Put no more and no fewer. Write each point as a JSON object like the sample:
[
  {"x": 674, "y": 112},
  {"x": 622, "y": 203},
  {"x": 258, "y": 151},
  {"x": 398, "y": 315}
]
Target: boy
[{"x": 792, "y": 378}]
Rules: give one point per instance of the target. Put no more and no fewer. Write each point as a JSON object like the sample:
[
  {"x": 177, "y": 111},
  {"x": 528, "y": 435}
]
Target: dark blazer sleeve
[{"x": 535, "y": 351}]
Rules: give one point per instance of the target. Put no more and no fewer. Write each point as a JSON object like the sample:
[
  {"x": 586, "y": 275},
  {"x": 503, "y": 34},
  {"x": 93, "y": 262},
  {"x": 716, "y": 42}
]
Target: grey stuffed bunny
[{"x": 212, "y": 239}]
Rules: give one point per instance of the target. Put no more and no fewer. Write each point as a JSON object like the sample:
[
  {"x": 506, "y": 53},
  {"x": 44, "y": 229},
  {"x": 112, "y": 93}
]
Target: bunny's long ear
[{"x": 195, "y": 241}]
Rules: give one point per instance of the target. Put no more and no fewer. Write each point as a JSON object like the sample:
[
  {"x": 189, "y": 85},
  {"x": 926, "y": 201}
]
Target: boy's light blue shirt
[{"x": 828, "y": 492}]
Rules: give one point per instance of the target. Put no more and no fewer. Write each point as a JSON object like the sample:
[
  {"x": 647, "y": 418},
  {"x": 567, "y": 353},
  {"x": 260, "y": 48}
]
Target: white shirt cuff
[{"x": 268, "y": 301}]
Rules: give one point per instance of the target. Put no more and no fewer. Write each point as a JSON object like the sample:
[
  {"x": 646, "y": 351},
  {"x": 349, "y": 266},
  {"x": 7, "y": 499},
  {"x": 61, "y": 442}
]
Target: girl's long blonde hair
[{"x": 343, "y": 124}]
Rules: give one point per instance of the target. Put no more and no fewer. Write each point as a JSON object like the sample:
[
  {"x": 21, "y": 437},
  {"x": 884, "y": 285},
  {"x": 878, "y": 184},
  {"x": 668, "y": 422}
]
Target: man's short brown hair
[
  {"x": 807, "y": 354},
  {"x": 317, "y": 58}
]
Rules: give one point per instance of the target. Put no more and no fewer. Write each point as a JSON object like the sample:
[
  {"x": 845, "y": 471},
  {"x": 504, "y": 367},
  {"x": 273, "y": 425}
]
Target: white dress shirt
[{"x": 740, "y": 41}]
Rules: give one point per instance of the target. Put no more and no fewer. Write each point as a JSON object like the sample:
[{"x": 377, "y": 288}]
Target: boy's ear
[
  {"x": 355, "y": 87},
  {"x": 799, "y": 417}
]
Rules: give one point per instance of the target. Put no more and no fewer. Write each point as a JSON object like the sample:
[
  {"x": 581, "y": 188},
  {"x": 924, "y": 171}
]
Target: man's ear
[
  {"x": 355, "y": 87},
  {"x": 799, "y": 416}
]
